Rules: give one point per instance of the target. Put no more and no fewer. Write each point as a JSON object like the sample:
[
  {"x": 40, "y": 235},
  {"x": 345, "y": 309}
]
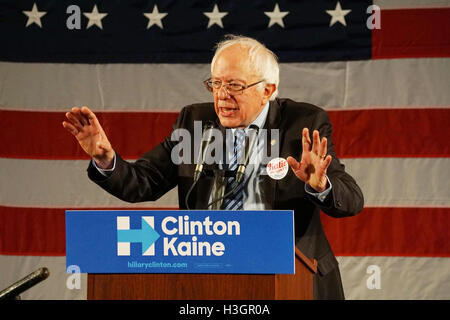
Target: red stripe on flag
[
  {"x": 374, "y": 232},
  {"x": 408, "y": 33},
  {"x": 40, "y": 135},
  {"x": 357, "y": 133},
  {"x": 37, "y": 231},
  {"x": 391, "y": 133},
  {"x": 32, "y": 231},
  {"x": 381, "y": 231}
]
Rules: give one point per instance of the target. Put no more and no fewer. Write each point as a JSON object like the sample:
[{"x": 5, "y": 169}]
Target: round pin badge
[{"x": 277, "y": 168}]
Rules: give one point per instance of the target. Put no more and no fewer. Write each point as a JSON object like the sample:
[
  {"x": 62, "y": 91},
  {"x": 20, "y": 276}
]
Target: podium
[
  {"x": 298, "y": 286},
  {"x": 188, "y": 255}
]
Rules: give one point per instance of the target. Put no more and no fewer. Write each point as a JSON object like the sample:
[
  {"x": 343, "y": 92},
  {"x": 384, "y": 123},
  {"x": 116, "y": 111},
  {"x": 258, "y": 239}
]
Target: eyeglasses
[{"x": 232, "y": 88}]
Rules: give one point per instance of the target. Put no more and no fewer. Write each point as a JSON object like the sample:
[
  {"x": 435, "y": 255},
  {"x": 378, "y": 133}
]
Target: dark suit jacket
[{"x": 154, "y": 174}]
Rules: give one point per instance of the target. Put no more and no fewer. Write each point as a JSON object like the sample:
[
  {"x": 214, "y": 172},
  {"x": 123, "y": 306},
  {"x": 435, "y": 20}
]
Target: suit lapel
[{"x": 272, "y": 122}]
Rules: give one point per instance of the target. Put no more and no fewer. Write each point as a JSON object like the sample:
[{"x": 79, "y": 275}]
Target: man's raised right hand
[{"x": 84, "y": 126}]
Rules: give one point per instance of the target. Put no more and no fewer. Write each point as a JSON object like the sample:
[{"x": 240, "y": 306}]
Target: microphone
[
  {"x": 253, "y": 135},
  {"x": 206, "y": 139},
  {"x": 14, "y": 290}
]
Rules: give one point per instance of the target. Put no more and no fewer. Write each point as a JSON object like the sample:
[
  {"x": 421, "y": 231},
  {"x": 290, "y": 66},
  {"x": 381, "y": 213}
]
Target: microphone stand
[
  {"x": 219, "y": 188},
  {"x": 206, "y": 139},
  {"x": 14, "y": 290}
]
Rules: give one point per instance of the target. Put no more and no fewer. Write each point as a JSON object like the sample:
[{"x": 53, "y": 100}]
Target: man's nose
[{"x": 223, "y": 93}]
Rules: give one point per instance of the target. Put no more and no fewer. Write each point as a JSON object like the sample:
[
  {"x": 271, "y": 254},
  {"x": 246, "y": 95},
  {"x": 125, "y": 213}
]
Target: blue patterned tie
[{"x": 236, "y": 200}]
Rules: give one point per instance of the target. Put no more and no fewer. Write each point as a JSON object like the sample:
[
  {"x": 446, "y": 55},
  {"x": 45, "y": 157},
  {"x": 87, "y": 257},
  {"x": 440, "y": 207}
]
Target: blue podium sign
[{"x": 174, "y": 241}]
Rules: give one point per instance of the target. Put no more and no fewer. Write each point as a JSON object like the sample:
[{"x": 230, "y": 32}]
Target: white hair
[{"x": 263, "y": 62}]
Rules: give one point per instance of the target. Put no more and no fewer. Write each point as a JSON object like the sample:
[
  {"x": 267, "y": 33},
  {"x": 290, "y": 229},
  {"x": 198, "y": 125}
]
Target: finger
[
  {"x": 297, "y": 168},
  {"x": 316, "y": 142},
  {"x": 91, "y": 117},
  {"x": 326, "y": 162},
  {"x": 74, "y": 120},
  {"x": 323, "y": 148},
  {"x": 69, "y": 127},
  {"x": 294, "y": 164},
  {"x": 306, "y": 141},
  {"x": 77, "y": 112}
]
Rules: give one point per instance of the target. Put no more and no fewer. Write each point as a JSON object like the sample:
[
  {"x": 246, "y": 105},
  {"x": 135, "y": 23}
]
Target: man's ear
[{"x": 269, "y": 89}]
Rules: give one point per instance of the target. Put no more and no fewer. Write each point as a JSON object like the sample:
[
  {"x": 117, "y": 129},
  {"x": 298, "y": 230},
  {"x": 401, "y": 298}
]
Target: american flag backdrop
[{"x": 380, "y": 68}]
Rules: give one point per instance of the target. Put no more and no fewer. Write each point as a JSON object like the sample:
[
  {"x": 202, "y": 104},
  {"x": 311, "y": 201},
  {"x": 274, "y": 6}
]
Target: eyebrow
[{"x": 231, "y": 80}]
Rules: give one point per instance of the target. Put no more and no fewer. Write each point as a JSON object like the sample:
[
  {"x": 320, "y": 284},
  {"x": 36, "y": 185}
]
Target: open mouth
[{"x": 227, "y": 112}]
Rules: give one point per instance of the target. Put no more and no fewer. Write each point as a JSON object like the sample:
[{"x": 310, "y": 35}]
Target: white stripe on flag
[
  {"x": 14, "y": 268},
  {"x": 169, "y": 87},
  {"x": 60, "y": 184},
  {"x": 402, "y": 182},
  {"x": 64, "y": 183},
  {"x": 400, "y": 277}
]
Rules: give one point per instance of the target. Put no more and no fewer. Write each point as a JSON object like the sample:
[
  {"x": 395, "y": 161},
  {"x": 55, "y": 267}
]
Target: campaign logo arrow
[{"x": 146, "y": 235}]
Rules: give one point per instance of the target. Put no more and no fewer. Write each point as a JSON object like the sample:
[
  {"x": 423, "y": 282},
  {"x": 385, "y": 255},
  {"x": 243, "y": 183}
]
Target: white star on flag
[
  {"x": 215, "y": 17},
  {"x": 276, "y": 16},
  {"x": 95, "y": 18},
  {"x": 338, "y": 15},
  {"x": 34, "y": 16},
  {"x": 155, "y": 17}
]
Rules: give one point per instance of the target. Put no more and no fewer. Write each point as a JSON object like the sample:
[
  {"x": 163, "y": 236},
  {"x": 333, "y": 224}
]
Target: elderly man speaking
[{"x": 244, "y": 85}]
